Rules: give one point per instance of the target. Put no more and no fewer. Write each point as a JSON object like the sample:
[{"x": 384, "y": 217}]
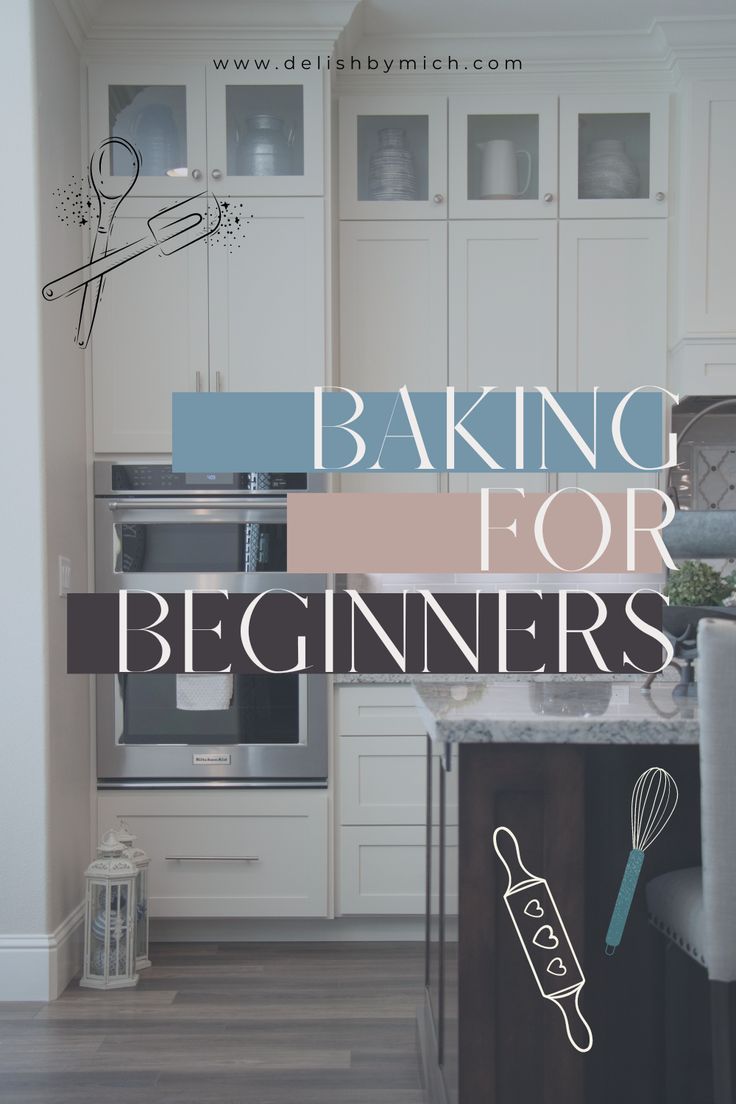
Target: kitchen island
[{"x": 555, "y": 762}]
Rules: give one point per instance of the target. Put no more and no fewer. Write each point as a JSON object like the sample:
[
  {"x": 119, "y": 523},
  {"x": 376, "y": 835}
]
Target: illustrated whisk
[{"x": 653, "y": 802}]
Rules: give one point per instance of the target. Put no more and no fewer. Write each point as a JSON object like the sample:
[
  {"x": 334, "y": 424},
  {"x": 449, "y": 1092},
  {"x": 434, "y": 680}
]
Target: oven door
[{"x": 265, "y": 729}]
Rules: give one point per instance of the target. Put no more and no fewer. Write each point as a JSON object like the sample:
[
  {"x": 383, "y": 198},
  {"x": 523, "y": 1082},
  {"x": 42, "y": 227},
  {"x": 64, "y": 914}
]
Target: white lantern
[
  {"x": 141, "y": 861},
  {"x": 109, "y": 924}
]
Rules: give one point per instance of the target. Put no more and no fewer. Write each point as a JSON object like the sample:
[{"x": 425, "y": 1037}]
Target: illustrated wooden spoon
[{"x": 110, "y": 191}]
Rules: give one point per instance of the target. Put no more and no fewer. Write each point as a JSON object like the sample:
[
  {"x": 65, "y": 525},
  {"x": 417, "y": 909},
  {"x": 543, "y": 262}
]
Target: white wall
[
  {"x": 44, "y": 783},
  {"x": 65, "y": 463}
]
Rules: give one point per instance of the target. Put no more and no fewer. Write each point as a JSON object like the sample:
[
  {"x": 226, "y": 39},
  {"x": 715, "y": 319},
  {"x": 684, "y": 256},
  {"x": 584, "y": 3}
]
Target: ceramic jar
[
  {"x": 607, "y": 171},
  {"x": 264, "y": 149}
]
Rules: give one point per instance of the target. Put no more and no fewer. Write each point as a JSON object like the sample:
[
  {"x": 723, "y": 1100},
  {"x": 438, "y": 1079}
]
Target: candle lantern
[
  {"x": 141, "y": 861},
  {"x": 109, "y": 927}
]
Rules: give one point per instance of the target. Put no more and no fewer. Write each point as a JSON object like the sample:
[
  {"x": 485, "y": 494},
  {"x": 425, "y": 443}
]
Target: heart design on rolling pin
[
  {"x": 557, "y": 967},
  {"x": 533, "y": 908},
  {"x": 546, "y": 942}
]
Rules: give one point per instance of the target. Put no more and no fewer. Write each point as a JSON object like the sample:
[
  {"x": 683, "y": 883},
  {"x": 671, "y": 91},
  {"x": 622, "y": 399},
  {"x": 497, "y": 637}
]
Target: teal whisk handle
[{"x": 626, "y": 892}]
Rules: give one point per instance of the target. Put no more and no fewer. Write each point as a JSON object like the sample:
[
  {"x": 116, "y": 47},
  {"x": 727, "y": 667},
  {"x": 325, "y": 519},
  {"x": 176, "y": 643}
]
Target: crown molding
[
  {"x": 182, "y": 20},
  {"x": 75, "y": 26}
]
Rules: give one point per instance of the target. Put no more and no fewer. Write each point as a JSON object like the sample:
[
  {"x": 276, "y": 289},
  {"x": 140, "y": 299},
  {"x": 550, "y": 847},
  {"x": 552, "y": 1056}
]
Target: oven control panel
[{"x": 160, "y": 479}]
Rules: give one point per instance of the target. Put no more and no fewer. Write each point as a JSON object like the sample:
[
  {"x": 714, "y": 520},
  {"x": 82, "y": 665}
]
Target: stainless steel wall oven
[{"x": 166, "y": 531}]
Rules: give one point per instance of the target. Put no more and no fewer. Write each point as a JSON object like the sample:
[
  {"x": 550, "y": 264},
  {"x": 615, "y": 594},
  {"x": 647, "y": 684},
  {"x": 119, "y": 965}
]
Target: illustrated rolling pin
[
  {"x": 653, "y": 802},
  {"x": 544, "y": 938}
]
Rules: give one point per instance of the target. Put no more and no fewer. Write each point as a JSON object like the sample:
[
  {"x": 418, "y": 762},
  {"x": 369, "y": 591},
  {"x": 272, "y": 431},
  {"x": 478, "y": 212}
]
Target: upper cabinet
[
  {"x": 614, "y": 155},
  {"x": 264, "y": 133},
  {"x": 393, "y": 157},
  {"x": 503, "y": 157},
  {"x": 709, "y": 267},
  {"x": 159, "y": 109},
  {"x": 233, "y": 131}
]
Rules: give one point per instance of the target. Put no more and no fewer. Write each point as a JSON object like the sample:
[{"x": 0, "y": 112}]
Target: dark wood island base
[{"x": 486, "y": 1033}]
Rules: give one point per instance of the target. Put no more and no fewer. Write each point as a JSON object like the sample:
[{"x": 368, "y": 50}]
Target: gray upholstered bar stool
[{"x": 696, "y": 908}]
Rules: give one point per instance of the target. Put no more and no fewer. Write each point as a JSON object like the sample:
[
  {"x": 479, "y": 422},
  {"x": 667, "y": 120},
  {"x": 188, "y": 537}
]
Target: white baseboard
[
  {"x": 39, "y": 967},
  {"x": 343, "y": 929}
]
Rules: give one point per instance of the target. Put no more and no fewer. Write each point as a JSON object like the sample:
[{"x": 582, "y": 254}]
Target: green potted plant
[{"x": 697, "y": 590}]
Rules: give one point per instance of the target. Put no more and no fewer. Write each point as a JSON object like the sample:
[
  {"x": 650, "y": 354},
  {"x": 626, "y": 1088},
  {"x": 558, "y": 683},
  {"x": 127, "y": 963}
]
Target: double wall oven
[{"x": 166, "y": 531}]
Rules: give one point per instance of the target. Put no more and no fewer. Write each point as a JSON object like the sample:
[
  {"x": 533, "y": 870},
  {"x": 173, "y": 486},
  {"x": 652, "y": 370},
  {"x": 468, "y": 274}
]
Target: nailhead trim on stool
[{"x": 675, "y": 938}]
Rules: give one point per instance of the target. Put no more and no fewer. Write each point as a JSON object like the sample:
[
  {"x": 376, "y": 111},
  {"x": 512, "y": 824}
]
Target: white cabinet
[
  {"x": 266, "y": 300},
  {"x": 245, "y": 853},
  {"x": 149, "y": 339},
  {"x": 393, "y": 157},
  {"x": 236, "y": 131},
  {"x": 613, "y": 314},
  {"x": 384, "y": 868},
  {"x": 503, "y": 157},
  {"x": 614, "y": 152},
  {"x": 382, "y": 785},
  {"x": 264, "y": 132},
  {"x": 213, "y": 316},
  {"x": 709, "y": 261},
  {"x": 159, "y": 109},
  {"x": 501, "y": 274},
  {"x": 613, "y": 304},
  {"x": 393, "y": 319}
]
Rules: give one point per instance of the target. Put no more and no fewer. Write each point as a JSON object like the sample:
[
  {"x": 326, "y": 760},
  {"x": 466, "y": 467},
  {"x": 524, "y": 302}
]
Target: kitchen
[{"x": 347, "y": 274}]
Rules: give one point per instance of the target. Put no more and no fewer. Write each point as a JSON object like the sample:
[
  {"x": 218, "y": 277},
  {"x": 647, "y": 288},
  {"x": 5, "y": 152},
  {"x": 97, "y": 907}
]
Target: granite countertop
[
  {"x": 556, "y": 711},
  {"x": 668, "y": 675}
]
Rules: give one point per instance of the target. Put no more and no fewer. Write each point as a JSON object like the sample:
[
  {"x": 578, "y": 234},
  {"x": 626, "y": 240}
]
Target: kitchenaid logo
[{"x": 371, "y": 64}]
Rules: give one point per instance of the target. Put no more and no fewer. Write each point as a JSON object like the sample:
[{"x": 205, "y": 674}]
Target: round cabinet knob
[
  {"x": 660, "y": 197},
  {"x": 438, "y": 198},
  {"x": 196, "y": 174},
  {"x": 216, "y": 174},
  {"x": 548, "y": 197}
]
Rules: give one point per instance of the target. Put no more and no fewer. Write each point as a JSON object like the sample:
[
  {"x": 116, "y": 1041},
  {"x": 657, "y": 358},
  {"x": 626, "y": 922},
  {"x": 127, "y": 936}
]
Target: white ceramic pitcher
[{"x": 499, "y": 169}]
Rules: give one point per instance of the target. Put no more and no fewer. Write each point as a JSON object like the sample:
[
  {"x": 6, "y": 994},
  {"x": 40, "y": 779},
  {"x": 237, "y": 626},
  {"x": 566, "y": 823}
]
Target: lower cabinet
[
  {"x": 383, "y": 869},
  {"x": 242, "y": 853},
  {"x": 382, "y": 787}
]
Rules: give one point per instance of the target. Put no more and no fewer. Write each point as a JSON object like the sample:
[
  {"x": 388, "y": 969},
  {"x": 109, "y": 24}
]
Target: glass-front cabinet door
[
  {"x": 393, "y": 157},
  {"x": 158, "y": 109},
  {"x": 503, "y": 157},
  {"x": 614, "y": 156},
  {"x": 264, "y": 131}
]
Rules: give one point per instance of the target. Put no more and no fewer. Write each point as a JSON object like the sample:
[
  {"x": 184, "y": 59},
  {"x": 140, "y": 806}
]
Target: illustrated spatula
[{"x": 169, "y": 230}]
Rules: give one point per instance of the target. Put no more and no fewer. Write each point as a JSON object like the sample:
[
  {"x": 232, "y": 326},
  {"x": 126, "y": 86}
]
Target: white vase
[{"x": 607, "y": 171}]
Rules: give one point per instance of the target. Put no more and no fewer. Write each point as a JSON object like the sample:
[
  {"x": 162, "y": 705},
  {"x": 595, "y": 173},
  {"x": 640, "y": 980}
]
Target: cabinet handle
[
  {"x": 197, "y": 381},
  {"x": 660, "y": 197},
  {"x": 548, "y": 197},
  {"x": 216, "y": 174},
  {"x": 213, "y": 858},
  {"x": 196, "y": 174},
  {"x": 218, "y": 381},
  {"x": 438, "y": 198}
]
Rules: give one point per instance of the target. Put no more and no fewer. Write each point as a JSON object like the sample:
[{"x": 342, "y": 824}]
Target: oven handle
[{"x": 186, "y": 503}]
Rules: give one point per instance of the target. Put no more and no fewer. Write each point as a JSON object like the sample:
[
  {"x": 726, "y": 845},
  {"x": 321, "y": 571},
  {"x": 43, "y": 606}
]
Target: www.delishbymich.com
[{"x": 370, "y": 64}]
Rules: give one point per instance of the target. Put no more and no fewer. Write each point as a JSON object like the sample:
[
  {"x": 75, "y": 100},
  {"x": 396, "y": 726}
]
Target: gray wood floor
[{"x": 267, "y": 1023}]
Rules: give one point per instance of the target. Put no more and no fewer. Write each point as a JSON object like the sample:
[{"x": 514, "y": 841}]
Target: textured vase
[
  {"x": 391, "y": 174},
  {"x": 607, "y": 172}
]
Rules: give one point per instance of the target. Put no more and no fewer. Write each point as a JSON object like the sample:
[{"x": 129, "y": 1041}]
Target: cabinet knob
[
  {"x": 438, "y": 198},
  {"x": 660, "y": 197},
  {"x": 196, "y": 174},
  {"x": 548, "y": 197},
  {"x": 216, "y": 174}
]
